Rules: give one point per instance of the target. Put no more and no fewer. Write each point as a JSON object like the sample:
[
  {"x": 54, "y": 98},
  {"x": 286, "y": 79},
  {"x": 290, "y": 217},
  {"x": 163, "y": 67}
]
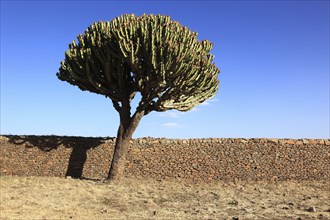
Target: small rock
[
  {"x": 194, "y": 165},
  {"x": 104, "y": 210},
  {"x": 235, "y": 218},
  {"x": 305, "y": 141},
  {"x": 234, "y": 202},
  {"x": 274, "y": 179},
  {"x": 273, "y": 140},
  {"x": 244, "y": 141},
  {"x": 109, "y": 141},
  {"x": 290, "y": 141},
  {"x": 311, "y": 209},
  {"x": 307, "y": 197},
  {"x": 281, "y": 141},
  {"x": 28, "y": 145}
]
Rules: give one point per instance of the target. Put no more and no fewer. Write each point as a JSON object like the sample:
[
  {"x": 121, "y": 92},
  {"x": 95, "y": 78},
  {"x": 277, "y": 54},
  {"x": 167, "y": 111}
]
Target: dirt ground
[{"x": 60, "y": 198}]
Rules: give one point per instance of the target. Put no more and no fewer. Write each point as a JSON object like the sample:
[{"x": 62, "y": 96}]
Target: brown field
[{"x": 60, "y": 198}]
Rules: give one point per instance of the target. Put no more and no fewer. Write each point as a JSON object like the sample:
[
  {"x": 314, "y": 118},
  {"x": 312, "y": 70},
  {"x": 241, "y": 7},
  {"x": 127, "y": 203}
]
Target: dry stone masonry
[{"x": 197, "y": 160}]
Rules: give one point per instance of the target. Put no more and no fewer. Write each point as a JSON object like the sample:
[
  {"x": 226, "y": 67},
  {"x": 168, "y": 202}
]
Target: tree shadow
[{"x": 79, "y": 145}]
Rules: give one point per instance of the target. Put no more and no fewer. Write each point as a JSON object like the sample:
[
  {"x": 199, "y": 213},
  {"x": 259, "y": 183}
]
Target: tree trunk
[
  {"x": 125, "y": 131},
  {"x": 119, "y": 157}
]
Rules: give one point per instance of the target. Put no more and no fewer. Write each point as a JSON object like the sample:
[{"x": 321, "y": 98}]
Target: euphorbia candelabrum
[{"x": 150, "y": 54}]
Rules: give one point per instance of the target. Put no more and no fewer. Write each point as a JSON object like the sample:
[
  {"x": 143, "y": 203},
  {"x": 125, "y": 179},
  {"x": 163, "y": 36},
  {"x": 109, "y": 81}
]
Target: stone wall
[{"x": 193, "y": 159}]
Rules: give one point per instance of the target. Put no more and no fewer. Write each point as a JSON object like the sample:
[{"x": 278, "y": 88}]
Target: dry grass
[{"x": 59, "y": 198}]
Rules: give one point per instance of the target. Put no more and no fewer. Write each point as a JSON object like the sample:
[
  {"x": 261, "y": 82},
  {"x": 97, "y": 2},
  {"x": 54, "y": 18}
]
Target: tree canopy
[{"x": 150, "y": 54}]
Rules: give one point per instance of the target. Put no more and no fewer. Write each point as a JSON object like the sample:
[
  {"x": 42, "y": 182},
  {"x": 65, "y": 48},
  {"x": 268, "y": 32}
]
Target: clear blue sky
[{"x": 273, "y": 56}]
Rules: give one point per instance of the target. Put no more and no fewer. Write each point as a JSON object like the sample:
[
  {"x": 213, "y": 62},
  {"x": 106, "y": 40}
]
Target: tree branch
[{"x": 116, "y": 106}]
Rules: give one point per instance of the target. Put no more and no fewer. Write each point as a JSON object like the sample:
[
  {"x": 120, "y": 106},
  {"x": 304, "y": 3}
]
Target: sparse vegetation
[{"x": 59, "y": 198}]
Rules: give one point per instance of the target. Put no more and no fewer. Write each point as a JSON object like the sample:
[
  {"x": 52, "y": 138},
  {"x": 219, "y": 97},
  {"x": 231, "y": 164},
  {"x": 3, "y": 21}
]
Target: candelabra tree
[{"x": 150, "y": 54}]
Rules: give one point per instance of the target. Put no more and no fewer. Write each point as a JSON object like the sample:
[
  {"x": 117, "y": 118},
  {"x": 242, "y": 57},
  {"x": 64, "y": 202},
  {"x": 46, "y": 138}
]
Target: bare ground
[{"x": 60, "y": 198}]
